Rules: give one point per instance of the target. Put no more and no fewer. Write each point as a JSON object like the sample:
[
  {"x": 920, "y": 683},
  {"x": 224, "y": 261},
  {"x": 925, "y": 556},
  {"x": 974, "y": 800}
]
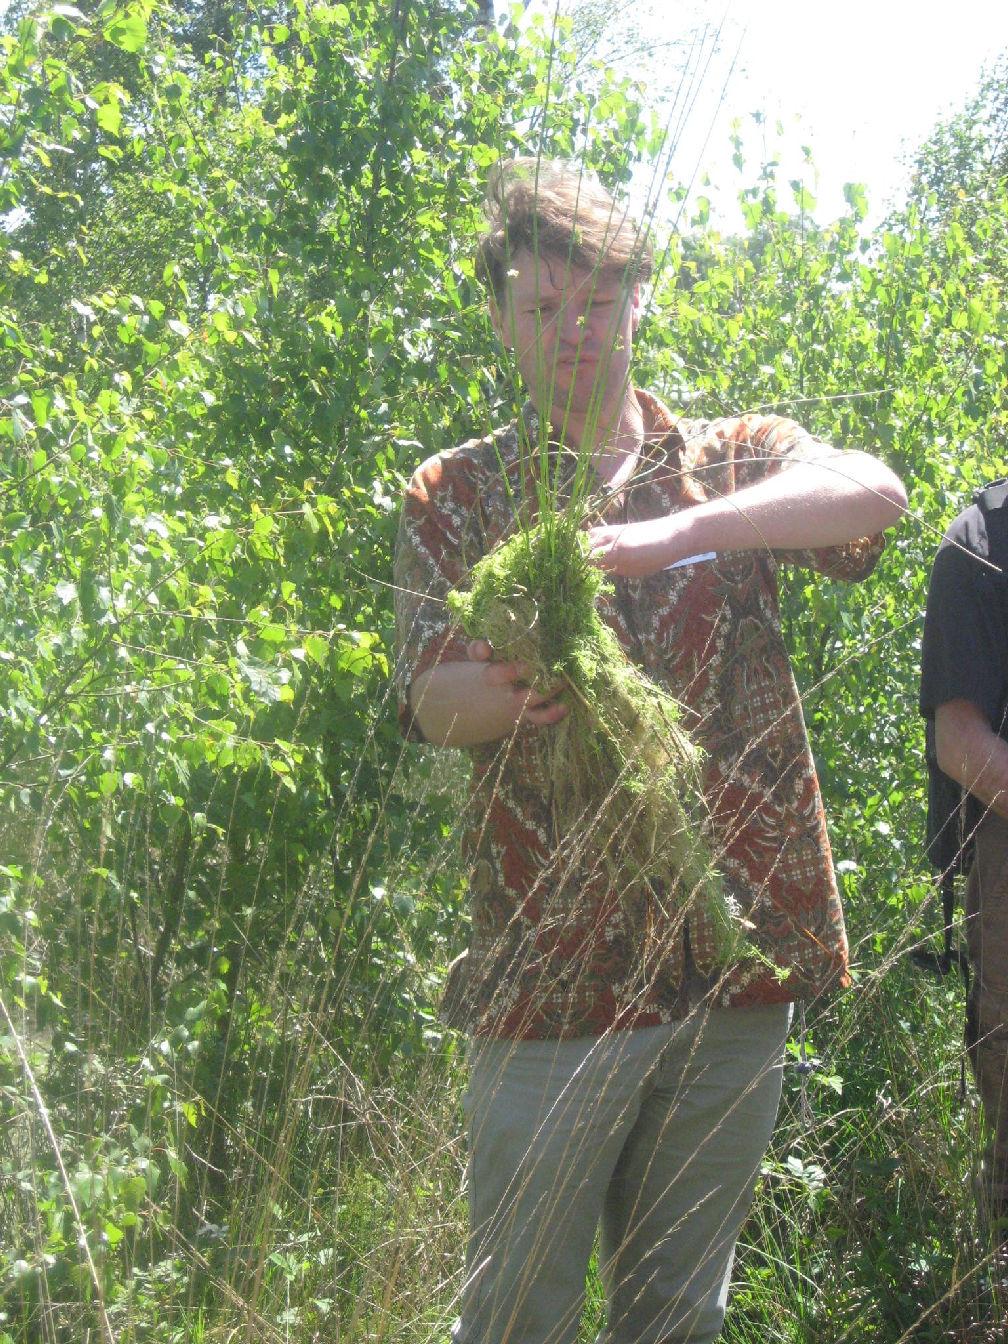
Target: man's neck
[{"x": 616, "y": 446}]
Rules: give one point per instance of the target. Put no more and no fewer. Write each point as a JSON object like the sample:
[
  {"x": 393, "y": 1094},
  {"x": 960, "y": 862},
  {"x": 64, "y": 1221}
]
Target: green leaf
[
  {"x": 127, "y": 31},
  {"x": 41, "y": 406},
  {"x": 109, "y": 117},
  {"x": 133, "y": 1191},
  {"x": 87, "y": 1187},
  {"x": 316, "y": 648},
  {"x": 979, "y": 317},
  {"x": 266, "y": 683},
  {"x": 857, "y": 198}
]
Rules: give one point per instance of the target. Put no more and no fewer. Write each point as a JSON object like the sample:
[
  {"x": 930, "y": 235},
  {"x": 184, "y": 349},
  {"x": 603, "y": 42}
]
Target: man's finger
[
  {"x": 524, "y": 682},
  {"x": 479, "y": 651},
  {"x": 601, "y": 542},
  {"x": 543, "y": 715},
  {"x": 601, "y": 538},
  {"x": 505, "y": 674}
]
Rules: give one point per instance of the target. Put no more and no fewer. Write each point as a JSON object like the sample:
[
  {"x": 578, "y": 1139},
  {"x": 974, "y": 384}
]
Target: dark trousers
[{"x": 987, "y": 1010}]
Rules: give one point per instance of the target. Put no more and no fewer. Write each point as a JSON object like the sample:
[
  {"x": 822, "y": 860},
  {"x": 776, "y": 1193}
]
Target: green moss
[
  {"x": 622, "y": 769},
  {"x": 534, "y": 599}
]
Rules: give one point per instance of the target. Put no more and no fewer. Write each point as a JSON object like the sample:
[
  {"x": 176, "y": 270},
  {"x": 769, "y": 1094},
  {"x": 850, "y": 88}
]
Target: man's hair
[{"x": 554, "y": 208}]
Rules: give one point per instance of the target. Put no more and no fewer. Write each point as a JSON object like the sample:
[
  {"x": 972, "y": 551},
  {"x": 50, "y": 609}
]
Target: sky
[{"x": 862, "y": 82}]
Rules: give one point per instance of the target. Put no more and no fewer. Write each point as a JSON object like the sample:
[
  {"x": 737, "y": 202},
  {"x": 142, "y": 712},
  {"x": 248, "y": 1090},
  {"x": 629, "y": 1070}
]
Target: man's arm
[
  {"x": 824, "y": 499},
  {"x": 971, "y": 753},
  {"x": 461, "y": 704}
]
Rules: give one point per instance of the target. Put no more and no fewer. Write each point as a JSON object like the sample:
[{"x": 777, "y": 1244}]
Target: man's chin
[
  {"x": 585, "y": 402},
  {"x": 580, "y": 388}
]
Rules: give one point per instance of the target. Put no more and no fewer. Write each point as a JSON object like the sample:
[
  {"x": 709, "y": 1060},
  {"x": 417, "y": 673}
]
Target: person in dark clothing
[{"x": 964, "y": 694}]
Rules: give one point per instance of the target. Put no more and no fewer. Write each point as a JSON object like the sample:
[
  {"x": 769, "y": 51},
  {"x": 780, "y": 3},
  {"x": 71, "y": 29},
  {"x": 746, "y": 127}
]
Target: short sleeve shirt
[
  {"x": 553, "y": 951},
  {"x": 964, "y": 654}
]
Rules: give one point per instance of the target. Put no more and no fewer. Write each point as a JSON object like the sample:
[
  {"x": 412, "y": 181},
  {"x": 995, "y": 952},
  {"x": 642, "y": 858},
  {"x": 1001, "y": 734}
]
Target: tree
[{"x": 967, "y": 155}]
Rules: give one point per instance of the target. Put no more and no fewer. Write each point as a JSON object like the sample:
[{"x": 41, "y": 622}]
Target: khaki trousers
[
  {"x": 987, "y": 1010},
  {"x": 656, "y": 1135}
]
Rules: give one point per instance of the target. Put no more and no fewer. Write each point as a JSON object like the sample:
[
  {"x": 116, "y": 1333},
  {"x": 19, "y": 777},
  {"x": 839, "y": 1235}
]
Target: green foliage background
[{"x": 236, "y": 309}]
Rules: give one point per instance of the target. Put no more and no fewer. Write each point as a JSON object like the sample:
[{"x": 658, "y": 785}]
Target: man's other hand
[{"x": 460, "y": 704}]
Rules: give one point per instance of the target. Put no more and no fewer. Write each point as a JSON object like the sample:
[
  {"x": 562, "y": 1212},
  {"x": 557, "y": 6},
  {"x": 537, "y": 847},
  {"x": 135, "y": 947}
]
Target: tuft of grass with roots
[{"x": 621, "y": 770}]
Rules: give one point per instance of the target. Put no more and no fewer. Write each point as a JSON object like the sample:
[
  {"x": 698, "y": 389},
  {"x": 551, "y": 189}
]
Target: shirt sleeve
[
  {"x": 431, "y": 559},
  {"x": 965, "y": 645},
  {"x": 766, "y": 444}
]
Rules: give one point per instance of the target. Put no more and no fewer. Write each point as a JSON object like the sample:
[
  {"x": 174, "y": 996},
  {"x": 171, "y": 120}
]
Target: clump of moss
[{"x": 622, "y": 771}]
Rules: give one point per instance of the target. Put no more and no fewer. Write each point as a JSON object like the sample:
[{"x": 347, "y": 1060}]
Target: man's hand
[
  {"x": 635, "y": 550},
  {"x": 460, "y": 704},
  {"x": 526, "y": 706}
]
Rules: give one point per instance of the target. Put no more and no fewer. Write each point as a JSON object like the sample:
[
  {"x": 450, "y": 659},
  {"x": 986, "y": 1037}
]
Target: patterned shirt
[{"x": 553, "y": 952}]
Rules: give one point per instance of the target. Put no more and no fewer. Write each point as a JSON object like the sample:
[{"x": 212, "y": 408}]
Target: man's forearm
[
  {"x": 825, "y": 502},
  {"x": 810, "y": 504},
  {"x": 971, "y": 753}
]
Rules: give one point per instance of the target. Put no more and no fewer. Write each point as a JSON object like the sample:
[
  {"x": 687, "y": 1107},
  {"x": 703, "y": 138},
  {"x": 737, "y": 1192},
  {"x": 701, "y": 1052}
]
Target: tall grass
[{"x": 341, "y": 1212}]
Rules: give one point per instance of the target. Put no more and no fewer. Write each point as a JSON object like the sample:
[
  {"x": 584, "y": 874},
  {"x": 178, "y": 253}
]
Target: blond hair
[{"x": 554, "y": 208}]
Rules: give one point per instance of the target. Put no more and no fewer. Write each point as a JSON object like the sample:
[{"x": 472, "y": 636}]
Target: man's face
[{"x": 571, "y": 331}]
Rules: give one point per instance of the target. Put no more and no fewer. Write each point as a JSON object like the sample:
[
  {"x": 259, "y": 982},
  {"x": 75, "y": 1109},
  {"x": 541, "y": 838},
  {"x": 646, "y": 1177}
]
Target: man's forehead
[{"x": 553, "y": 275}]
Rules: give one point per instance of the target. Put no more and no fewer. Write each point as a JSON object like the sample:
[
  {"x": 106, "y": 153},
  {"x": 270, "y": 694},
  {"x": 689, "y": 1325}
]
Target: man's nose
[{"x": 575, "y": 325}]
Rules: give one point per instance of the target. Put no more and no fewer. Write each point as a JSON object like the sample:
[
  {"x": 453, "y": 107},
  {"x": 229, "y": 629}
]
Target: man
[
  {"x": 964, "y": 694},
  {"x": 608, "y": 1088}
]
